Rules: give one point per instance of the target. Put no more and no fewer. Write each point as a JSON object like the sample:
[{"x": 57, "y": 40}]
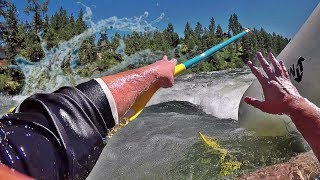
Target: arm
[
  {"x": 306, "y": 117},
  {"x": 281, "y": 97},
  {"x": 134, "y": 82},
  {"x": 60, "y": 135}
]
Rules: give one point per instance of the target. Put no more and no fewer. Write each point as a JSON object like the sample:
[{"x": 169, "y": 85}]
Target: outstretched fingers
[
  {"x": 284, "y": 70},
  {"x": 265, "y": 65},
  {"x": 257, "y": 72},
  {"x": 276, "y": 65}
]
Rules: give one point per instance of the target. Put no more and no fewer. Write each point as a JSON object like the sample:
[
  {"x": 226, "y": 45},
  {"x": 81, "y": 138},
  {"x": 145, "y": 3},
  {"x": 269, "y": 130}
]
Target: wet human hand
[
  {"x": 279, "y": 93},
  {"x": 165, "y": 71}
]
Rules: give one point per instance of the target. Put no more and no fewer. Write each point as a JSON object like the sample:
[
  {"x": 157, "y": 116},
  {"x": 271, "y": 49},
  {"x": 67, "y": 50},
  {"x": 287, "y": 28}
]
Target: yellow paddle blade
[
  {"x": 11, "y": 109},
  {"x": 214, "y": 146},
  {"x": 141, "y": 102},
  {"x": 228, "y": 163}
]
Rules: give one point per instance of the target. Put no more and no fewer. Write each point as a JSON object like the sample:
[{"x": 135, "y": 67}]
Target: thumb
[
  {"x": 165, "y": 58},
  {"x": 254, "y": 102}
]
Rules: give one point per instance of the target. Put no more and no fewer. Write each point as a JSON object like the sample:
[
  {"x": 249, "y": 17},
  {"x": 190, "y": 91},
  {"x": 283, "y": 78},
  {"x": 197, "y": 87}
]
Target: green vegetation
[
  {"x": 20, "y": 38},
  {"x": 11, "y": 81}
]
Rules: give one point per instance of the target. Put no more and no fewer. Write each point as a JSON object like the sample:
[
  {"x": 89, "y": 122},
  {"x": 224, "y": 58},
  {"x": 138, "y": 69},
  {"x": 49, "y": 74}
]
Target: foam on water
[{"x": 218, "y": 93}]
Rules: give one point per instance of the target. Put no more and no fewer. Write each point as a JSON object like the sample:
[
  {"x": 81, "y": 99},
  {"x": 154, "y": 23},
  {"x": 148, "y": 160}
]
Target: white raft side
[{"x": 306, "y": 44}]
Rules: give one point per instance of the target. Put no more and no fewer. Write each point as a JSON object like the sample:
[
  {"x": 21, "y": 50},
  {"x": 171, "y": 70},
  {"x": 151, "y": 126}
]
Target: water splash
[
  {"x": 47, "y": 75},
  {"x": 141, "y": 57}
]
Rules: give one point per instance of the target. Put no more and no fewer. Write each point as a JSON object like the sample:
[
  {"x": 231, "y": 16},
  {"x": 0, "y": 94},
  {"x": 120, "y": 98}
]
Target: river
[{"x": 163, "y": 142}]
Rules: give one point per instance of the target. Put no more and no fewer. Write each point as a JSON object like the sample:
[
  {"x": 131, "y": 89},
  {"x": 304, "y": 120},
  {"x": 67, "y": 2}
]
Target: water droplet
[{"x": 23, "y": 152}]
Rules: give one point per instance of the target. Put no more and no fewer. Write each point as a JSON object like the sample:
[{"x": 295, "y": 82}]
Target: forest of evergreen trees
[{"x": 20, "y": 38}]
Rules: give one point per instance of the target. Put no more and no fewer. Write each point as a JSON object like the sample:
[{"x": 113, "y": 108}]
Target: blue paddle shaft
[{"x": 214, "y": 49}]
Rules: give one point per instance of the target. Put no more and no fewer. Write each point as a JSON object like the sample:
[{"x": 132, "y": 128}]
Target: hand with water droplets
[
  {"x": 280, "y": 94},
  {"x": 165, "y": 71}
]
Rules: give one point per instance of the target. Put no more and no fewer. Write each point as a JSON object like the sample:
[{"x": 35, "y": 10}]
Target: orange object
[{"x": 8, "y": 173}]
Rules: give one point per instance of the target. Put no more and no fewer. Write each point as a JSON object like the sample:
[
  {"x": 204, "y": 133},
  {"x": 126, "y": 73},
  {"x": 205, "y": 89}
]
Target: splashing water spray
[{"x": 47, "y": 75}]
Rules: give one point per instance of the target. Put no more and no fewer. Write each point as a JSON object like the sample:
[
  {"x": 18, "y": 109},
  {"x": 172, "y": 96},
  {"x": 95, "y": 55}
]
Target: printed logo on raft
[{"x": 297, "y": 72}]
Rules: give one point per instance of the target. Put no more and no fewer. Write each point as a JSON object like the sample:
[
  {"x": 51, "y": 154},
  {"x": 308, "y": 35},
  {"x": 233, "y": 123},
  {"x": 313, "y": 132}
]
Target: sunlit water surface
[{"x": 163, "y": 143}]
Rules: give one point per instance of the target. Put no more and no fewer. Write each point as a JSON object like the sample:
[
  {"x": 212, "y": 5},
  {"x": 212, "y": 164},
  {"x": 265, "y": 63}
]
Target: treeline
[{"x": 20, "y": 38}]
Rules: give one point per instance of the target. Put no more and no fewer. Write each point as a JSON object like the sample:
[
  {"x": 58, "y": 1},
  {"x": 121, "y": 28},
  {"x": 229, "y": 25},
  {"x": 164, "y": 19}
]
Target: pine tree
[
  {"x": 115, "y": 42},
  {"x": 11, "y": 35},
  {"x": 3, "y": 7},
  {"x": 133, "y": 43},
  {"x": 247, "y": 47},
  {"x": 71, "y": 26},
  {"x": 46, "y": 23},
  {"x": 80, "y": 24},
  {"x": 103, "y": 40},
  {"x": 188, "y": 32},
  {"x": 38, "y": 9},
  {"x": 230, "y": 25},
  {"x": 189, "y": 37},
  {"x": 88, "y": 52},
  {"x": 212, "y": 26},
  {"x": 236, "y": 28},
  {"x": 198, "y": 30},
  {"x": 34, "y": 51},
  {"x": 210, "y": 39},
  {"x": 198, "y": 36},
  {"x": 63, "y": 25},
  {"x": 236, "y": 25},
  {"x": 219, "y": 31},
  {"x": 62, "y": 18},
  {"x": 171, "y": 37}
]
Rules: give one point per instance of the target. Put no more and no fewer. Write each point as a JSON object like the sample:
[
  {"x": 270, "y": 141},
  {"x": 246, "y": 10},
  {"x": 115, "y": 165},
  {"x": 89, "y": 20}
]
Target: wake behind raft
[{"x": 302, "y": 59}]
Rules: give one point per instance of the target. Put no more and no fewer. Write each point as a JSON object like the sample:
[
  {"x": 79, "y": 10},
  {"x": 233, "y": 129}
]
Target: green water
[{"x": 199, "y": 162}]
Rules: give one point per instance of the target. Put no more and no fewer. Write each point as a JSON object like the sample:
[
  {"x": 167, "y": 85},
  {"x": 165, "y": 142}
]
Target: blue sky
[{"x": 283, "y": 17}]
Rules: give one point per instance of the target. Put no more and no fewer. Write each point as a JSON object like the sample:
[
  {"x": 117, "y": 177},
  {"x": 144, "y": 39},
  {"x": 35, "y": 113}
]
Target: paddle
[{"x": 141, "y": 102}]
